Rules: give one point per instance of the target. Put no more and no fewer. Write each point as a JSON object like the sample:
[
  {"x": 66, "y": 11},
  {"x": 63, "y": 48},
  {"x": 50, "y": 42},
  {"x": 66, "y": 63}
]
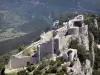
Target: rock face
[{"x": 72, "y": 42}]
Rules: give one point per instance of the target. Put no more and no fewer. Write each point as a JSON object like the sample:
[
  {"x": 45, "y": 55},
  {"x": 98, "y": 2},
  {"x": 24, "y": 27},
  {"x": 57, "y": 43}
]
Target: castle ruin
[{"x": 55, "y": 43}]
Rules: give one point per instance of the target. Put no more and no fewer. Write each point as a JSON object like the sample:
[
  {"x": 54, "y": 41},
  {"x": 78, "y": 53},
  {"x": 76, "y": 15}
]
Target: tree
[
  {"x": 22, "y": 72},
  {"x": 71, "y": 64},
  {"x": 21, "y": 48},
  {"x": 74, "y": 44},
  {"x": 64, "y": 68},
  {"x": 59, "y": 63},
  {"x": 41, "y": 66},
  {"x": 2, "y": 71},
  {"x": 52, "y": 69},
  {"x": 45, "y": 74},
  {"x": 30, "y": 68},
  {"x": 60, "y": 73},
  {"x": 37, "y": 72},
  {"x": 52, "y": 63},
  {"x": 62, "y": 60}
]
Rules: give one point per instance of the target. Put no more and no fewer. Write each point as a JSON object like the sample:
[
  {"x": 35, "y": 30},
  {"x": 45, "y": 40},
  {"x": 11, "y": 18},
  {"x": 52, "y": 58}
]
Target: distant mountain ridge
[
  {"x": 29, "y": 15},
  {"x": 28, "y": 8},
  {"x": 26, "y": 16}
]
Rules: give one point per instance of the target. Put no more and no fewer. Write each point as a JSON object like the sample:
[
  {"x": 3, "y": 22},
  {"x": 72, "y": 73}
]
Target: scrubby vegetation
[
  {"x": 21, "y": 48},
  {"x": 30, "y": 68},
  {"x": 97, "y": 62},
  {"x": 89, "y": 19},
  {"x": 23, "y": 72}
]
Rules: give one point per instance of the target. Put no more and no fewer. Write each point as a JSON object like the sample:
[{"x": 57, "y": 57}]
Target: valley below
[{"x": 13, "y": 44}]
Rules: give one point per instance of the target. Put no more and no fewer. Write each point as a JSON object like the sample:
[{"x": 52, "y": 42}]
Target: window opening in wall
[{"x": 78, "y": 23}]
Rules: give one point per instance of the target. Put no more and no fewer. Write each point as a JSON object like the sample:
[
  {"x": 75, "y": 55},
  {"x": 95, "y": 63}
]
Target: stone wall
[
  {"x": 64, "y": 42},
  {"x": 45, "y": 48},
  {"x": 62, "y": 31},
  {"x": 83, "y": 30},
  {"x": 56, "y": 46},
  {"x": 73, "y": 31},
  {"x": 85, "y": 37},
  {"x": 17, "y": 62}
]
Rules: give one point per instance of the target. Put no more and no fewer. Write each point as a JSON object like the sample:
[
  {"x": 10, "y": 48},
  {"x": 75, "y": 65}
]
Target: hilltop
[
  {"x": 71, "y": 45},
  {"x": 93, "y": 22}
]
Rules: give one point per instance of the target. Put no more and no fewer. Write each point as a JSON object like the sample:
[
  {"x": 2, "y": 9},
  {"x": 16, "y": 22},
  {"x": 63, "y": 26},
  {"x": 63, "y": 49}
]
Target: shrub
[
  {"x": 30, "y": 68},
  {"x": 41, "y": 66},
  {"x": 52, "y": 69},
  {"x": 45, "y": 74},
  {"x": 64, "y": 68},
  {"x": 52, "y": 63},
  {"x": 74, "y": 44},
  {"x": 59, "y": 63},
  {"x": 21, "y": 48},
  {"x": 23, "y": 72},
  {"x": 96, "y": 72},
  {"x": 45, "y": 62},
  {"x": 37, "y": 72},
  {"x": 81, "y": 57},
  {"x": 62, "y": 60},
  {"x": 47, "y": 71},
  {"x": 2, "y": 71},
  {"x": 71, "y": 64},
  {"x": 60, "y": 73}
]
